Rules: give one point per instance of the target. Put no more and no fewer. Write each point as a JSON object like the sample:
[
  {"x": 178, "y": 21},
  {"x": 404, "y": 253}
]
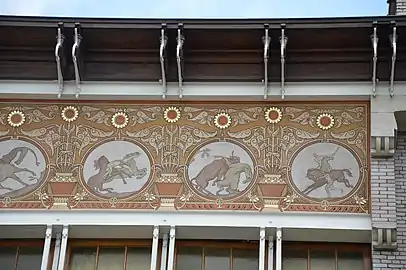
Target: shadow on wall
[{"x": 400, "y": 118}]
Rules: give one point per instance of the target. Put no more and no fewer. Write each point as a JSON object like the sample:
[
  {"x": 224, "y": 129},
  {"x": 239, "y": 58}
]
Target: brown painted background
[{"x": 66, "y": 145}]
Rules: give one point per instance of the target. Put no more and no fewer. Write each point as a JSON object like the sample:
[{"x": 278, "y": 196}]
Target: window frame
[
  {"x": 29, "y": 243},
  {"x": 216, "y": 244},
  {"x": 365, "y": 249},
  {"x": 90, "y": 243}
]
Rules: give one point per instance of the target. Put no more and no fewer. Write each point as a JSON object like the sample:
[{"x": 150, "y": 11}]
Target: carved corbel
[
  {"x": 59, "y": 57},
  {"x": 393, "y": 38},
  {"x": 284, "y": 41},
  {"x": 384, "y": 236},
  {"x": 75, "y": 57},
  {"x": 375, "y": 40},
  {"x": 383, "y": 146},
  {"x": 162, "y": 58},
  {"x": 267, "y": 43},
  {"x": 179, "y": 55}
]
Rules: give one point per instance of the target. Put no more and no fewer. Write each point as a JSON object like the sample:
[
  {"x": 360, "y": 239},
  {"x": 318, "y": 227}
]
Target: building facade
[{"x": 203, "y": 144}]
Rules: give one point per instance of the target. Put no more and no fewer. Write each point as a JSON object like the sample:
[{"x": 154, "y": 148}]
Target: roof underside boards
[{"x": 335, "y": 49}]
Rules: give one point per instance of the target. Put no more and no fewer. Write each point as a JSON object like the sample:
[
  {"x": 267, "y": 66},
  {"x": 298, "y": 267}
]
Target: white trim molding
[
  {"x": 339, "y": 221},
  {"x": 193, "y": 91}
]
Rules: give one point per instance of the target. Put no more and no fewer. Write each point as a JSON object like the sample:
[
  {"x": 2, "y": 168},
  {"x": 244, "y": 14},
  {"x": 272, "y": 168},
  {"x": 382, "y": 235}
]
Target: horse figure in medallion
[
  {"x": 325, "y": 175},
  {"x": 115, "y": 170}
]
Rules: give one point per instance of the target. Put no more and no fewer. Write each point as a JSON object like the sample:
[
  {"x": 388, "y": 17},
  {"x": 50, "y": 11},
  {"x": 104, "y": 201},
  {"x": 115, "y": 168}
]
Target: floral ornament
[
  {"x": 222, "y": 120},
  {"x": 172, "y": 114},
  {"x": 16, "y": 118},
  {"x": 325, "y": 121},
  {"x": 119, "y": 120},
  {"x": 273, "y": 115},
  {"x": 70, "y": 113}
]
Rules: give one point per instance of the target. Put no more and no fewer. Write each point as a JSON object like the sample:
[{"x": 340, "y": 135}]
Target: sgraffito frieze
[{"x": 283, "y": 157}]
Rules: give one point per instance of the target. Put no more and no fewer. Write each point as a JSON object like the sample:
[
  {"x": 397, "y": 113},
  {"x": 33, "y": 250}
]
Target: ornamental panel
[{"x": 186, "y": 156}]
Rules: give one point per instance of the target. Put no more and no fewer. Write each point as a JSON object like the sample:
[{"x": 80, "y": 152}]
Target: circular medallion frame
[
  {"x": 123, "y": 169},
  {"x": 244, "y": 162},
  {"x": 315, "y": 175},
  {"x": 22, "y": 157}
]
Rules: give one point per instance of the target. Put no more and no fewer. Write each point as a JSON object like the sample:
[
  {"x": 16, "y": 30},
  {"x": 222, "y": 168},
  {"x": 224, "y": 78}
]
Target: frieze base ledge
[
  {"x": 384, "y": 236},
  {"x": 383, "y": 146}
]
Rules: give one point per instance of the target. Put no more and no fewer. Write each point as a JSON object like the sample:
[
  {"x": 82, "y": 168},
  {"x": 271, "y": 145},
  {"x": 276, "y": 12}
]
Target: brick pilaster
[
  {"x": 400, "y": 7},
  {"x": 390, "y": 259}
]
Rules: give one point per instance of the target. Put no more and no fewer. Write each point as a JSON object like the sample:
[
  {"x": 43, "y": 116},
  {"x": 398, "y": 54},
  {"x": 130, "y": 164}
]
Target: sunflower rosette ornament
[
  {"x": 325, "y": 121},
  {"x": 119, "y": 120},
  {"x": 222, "y": 120},
  {"x": 16, "y": 118},
  {"x": 273, "y": 115},
  {"x": 70, "y": 114},
  {"x": 172, "y": 114}
]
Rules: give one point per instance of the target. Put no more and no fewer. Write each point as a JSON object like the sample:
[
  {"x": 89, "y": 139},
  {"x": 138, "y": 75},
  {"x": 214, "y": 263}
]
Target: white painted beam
[
  {"x": 338, "y": 221},
  {"x": 262, "y": 233},
  {"x": 171, "y": 255},
  {"x": 193, "y": 91},
  {"x": 270, "y": 253},
  {"x": 164, "y": 251},
  {"x": 64, "y": 243},
  {"x": 47, "y": 246},
  {"x": 278, "y": 249},
  {"x": 154, "y": 251}
]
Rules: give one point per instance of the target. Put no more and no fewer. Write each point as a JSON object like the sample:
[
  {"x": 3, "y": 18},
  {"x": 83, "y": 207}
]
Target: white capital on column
[
  {"x": 64, "y": 242},
  {"x": 171, "y": 255},
  {"x": 164, "y": 253},
  {"x": 262, "y": 232},
  {"x": 270, "y": 253},
  {"x": 278, "y": 249},
  {"x": 154, "y": 252},
  {"x": 47, "y": 245}
]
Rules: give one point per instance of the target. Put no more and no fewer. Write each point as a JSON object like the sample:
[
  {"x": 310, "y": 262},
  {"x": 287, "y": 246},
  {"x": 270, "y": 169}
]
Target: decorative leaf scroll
[
  {"x": 198, "y": 156},
  {"x": 238, "y": 117},
  {"x": 307, "y": 116},
  {"x": 34, "y": 114},
  {"x": 140, "y": 115},
  {"x": 355, "y": 137}
]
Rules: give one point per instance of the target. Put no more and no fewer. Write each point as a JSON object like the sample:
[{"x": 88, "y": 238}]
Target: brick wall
[
  {"x": 386, "y": 194},
  {"x": 400, "y": 7}
]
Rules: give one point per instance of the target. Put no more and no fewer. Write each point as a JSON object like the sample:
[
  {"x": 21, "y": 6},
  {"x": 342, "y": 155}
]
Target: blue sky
[{"x": 195, "y": 8}]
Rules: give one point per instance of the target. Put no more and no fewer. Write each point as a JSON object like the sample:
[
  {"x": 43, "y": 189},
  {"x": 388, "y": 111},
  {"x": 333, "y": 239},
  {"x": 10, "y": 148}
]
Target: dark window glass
[
  {"x": 350, "y": 261},
  {"x": 217, "y": 259},
  {"x": 322, "y": 260},
  {"x": 189, "y": 258},
  {"x": 294, "y": 259},
  {"x": 8, "y": 257},
  {"x": 138, "y": 258},
  {"x": 83, "y": 258},
  {"x": 245, "y": 259},
  {"x": 111, "y": 258},
  {"x": 29, "y": 258}
]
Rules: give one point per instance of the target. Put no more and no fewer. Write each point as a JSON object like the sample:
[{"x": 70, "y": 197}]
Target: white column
[
  {"x": 154, "y": 251},
  {"x": 164, "y": 251},
  {"x": 57, "y": 250},
  {"x": 261, "y": 248},
  {"x": 64, "y": 242},
  {"x": 270, "y": 253},
  {"x": 171, "y": 255},
  {"x": 278, "y": 249},
  {"x": 47, "y": 246}
]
